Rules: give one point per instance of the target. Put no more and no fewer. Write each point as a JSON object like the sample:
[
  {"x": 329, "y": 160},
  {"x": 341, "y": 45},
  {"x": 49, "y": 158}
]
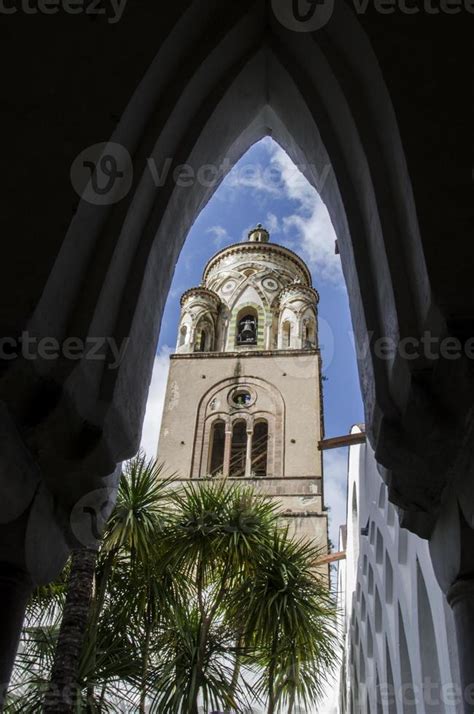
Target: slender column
[
  {"x": 461, "y": 598},
  {"x": 452, "y": 555},
  {"x": 15, "y": 589},
  {"x": 248, "y": 455},
  {"x": 227, "y": 449}
]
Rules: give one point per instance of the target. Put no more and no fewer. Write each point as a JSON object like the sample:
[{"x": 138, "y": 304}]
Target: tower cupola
[{"x": 259, "y": 235}]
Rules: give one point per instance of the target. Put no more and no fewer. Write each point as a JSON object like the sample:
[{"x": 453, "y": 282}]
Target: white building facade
[{"x": 399, "y": 653}]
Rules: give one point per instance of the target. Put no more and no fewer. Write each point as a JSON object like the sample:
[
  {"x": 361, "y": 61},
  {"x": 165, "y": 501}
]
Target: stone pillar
[
  {"x": 15, "y": 589},
  {"x": 452, "y": 555},
  {"x": 227, "y": 450},
  {"x": 248, "y": 454},
  {"x": 461, "y": 598}
]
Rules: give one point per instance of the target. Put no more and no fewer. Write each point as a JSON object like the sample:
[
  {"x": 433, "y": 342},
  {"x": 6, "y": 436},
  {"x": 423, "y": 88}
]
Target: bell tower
[{"x": 243, "y": 398}]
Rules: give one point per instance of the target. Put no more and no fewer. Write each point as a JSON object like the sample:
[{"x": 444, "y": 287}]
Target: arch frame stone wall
[
  {"x": 272, "y": 82},
  {"x": 331, "y": 99}
]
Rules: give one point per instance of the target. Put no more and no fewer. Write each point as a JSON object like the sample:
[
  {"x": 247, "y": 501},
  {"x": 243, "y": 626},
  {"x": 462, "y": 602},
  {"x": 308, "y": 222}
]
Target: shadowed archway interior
[{"x": 224, "y": 77}]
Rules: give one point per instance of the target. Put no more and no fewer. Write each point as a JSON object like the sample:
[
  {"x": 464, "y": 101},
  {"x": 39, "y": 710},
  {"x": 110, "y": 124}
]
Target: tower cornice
[{"x": 255, "y": 248}]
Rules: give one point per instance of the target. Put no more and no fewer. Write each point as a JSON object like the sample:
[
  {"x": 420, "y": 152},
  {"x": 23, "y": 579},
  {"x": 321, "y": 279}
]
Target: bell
[{"x": 248, "y": 331}]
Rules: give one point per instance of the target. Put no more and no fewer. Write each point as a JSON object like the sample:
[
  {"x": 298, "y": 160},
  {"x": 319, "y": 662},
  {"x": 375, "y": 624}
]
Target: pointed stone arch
[{"x": 322, "y": 97}]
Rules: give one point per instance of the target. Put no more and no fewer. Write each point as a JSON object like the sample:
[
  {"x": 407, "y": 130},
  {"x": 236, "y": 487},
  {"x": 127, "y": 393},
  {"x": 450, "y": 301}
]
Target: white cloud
[
  {"x": 272, "y": 224},
  {"x": 219, "y": 235},
  {"x": 156, "y": 398},
  {"x": 255, "y": 177},
  {"x": 310, "y": 224},
  {"x": 246, "y": 231},
  {"x": 335, "y": 490}
]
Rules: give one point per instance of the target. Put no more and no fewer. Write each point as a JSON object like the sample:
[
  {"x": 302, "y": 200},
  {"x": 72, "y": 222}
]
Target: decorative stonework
[
  {"x": 257, "y": 286},
  {"x": 257, "y": 252}
]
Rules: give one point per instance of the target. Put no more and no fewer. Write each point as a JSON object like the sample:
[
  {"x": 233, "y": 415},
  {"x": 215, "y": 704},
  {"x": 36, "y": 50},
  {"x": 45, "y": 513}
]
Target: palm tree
[
  {"x": 36, "y": 652},
  {"x": 63, "y": 691},
  {"x": 132, "y": 529},
  {"x": 214, "y": 536},
  {"x": 289, "y": 618},
  {"x": 199, "y": 596}
]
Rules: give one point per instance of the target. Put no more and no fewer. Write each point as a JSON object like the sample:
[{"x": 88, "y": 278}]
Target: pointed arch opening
[{"x": 204, "y": 338}]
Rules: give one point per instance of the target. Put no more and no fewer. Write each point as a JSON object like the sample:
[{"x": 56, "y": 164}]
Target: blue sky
[{"x": 266, "y": 187}]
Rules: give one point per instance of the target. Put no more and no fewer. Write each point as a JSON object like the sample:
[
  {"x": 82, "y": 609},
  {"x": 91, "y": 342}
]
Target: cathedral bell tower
[{"x": 243, "y": 399}]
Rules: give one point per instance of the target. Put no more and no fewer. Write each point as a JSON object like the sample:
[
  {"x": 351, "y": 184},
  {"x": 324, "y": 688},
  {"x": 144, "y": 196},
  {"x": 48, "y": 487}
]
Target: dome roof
[{"x": 258, "y": 242}]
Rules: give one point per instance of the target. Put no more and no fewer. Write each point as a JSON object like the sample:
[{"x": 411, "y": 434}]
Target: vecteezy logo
[
  {"x": 102, "y": 174},
  {"x": 89, "y": 516},
  {"x": 303, "y": 15}
]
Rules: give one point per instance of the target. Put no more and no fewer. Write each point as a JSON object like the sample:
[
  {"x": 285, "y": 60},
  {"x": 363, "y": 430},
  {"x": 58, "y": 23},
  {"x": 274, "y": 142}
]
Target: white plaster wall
[{"x": 376, "y": 637}]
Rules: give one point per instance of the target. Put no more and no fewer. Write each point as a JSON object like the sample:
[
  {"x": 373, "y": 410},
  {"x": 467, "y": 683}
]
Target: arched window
[
  {"x": 216, "y": 450},
  {"x": 203, "y": 339},
  {"x": 182, "y": 335},
  {"x": 239, "y": 449},
  {"x": 286, "y": 334},
  {"x": 260, "y": 449},
  {"x": 247, "y": 327},
  {"x": 309, "y": 334}
]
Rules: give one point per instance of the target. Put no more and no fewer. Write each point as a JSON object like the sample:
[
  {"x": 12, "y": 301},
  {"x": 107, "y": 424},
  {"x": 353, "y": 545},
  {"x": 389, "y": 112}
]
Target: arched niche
[
  {"x": 247, "y": 327},
  {"x": 183, "y": 333},
  {"x": 247, "y": 316},
  {"x": 204, "y": 336},
  {"x": 308, "y": 330},
  {"x": 286, "y": 332}
]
